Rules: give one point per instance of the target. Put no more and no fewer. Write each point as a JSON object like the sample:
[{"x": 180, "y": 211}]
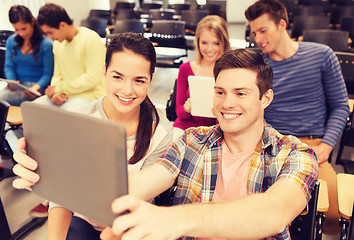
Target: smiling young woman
[{"x": 211, "y": 40}]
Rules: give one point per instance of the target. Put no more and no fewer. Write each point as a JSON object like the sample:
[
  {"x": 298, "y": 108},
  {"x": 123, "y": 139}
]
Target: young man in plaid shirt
[{"x": 245, "y": 179}]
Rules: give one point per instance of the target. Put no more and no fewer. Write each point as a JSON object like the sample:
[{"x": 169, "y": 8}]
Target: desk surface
[
  {"x": 323, "y": 203},
  {"x": 345, "y": 183},
  {"x": 14, "y": 115}
]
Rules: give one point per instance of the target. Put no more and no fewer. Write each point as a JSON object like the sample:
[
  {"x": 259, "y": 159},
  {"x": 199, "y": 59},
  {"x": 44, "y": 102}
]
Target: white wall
[
  {"x": 79, "y": 10},
  {"x": 4, "y": 15},
  {"x": 235, "y": 10}
]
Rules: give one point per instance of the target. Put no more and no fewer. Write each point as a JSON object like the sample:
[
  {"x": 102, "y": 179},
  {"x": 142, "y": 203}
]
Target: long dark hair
[
  {"x": 136, "y": 43},
  {"x": 21, "y": 13}
]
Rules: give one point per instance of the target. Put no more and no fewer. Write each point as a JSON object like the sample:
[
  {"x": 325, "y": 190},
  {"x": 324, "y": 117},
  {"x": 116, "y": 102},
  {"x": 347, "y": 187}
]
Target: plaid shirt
[{"x": 193, "y": 160}]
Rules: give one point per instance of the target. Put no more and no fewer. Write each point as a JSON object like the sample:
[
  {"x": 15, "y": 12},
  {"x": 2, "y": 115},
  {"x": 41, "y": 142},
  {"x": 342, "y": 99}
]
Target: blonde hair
[{"x": 216, "y": 25}]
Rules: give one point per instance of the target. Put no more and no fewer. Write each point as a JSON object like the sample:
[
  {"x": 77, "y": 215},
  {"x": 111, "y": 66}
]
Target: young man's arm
[
  {"x": 337, "y": 101},
  {"x": 150, "y": 182},
  {"x": 254, "y": 216}
]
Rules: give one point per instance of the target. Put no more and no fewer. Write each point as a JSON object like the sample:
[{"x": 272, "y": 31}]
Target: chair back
[
  {"x": 2, "y": 62},
  {"x": 310, "y": 2},
  {"x": 338, "y": 12},
  {"x": 214, "y": 9},
  {"x": 103, "y": 14},
  {"x": 145, "y": 7},
  {"x": 128, "y": 25},
  {"x": 178, "y": 7},
  {"x": 290, "y": 5},
  {"x": 335, "y": 39},
  {"x": 313, "y": 10},
  {"x": 347, "y": 24},
  {"x": 122, "y": 5},
  {"x": 346, "y": 61},
  {"x": 344, "y": 2},
  {"x": 127, "y": 13},
  {"x": 303, "y": 226},
  {"x": 302, "y": 23},
  {"x": 192, "y": 18},
  {"x": 161, "y": 14},
  {"x": 4, "y": 108},
  {"x": 96, "y": 24},
  {"x": 170, "y": 40},
  {"x": 169, "y": 29},
  {"x": 351, "y": 227},
  {"x": 4, "y": 34}
]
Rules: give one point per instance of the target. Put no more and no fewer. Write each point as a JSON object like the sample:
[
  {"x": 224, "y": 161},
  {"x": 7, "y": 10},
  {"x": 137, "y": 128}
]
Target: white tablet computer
[
  {"x": 201, "y": 90},
  {"x": 82, "y": 159},
  {"x": 19, "y": 86}
]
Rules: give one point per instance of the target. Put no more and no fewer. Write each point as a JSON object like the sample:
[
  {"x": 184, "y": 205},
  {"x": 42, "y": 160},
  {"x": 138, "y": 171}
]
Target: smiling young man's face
[
  {"x": 266, "y": 33},
  {"x": 237, "y": 104}
]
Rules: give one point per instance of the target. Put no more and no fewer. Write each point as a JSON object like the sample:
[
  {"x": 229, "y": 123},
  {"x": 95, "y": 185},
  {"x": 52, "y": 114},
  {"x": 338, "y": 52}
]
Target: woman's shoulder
[
  {"x": 11, "y": 39},
  {"x": 185, "y": 66}
]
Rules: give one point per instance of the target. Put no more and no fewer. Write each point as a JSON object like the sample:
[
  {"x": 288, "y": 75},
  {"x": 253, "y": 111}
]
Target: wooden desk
[
  {"x": 14, "y": 116},
  {"x": 351, "y": 104},
  {"x": 323, "y": 203},
  {"x": 345, "y": 184}
]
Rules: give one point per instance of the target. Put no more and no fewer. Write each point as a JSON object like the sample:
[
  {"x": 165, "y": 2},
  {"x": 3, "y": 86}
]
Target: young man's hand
[
  {"x": 322, "y": 151},
  {"x": 59, "y": 99},
  {"x": 144, "y": 221}
]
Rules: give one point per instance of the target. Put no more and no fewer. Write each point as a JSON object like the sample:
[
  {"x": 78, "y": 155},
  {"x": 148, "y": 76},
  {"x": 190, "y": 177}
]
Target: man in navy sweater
[{"x": 310, "y": 96}]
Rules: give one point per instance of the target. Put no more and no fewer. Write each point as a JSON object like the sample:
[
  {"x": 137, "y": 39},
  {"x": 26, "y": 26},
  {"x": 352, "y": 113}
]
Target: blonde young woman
[{"x": 211, "y": 40}]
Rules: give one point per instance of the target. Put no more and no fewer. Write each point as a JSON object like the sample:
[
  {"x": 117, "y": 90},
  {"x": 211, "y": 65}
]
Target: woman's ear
[{"x": 104, "y": 71}]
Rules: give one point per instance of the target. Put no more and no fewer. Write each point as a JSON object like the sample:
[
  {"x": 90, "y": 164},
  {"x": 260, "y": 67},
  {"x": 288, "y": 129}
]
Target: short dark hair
[
  {"x": 247, "y": 59},
  {"x": 275, "y": 9},
  {"x": 52, "y": 15}
]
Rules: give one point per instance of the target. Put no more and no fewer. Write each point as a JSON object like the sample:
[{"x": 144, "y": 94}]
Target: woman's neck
[{"x": 204, "y": 68}]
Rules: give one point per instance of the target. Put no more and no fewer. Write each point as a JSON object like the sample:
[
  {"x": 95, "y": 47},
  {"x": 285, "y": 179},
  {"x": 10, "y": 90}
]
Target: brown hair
[
  {"x": 275, "y": 9},
  {"x": 247, "y": 59}
]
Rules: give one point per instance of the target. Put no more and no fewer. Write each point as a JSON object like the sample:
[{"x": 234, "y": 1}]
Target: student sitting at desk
[
  {"x": 130, "y": 64},
  {"x": 256, "y": 179},
  {"x": 211, "y": 40},
  {"x": 79, "y": 60},
  {"x": 29, "y": 57},
  {"x": 310, "y": 96}
]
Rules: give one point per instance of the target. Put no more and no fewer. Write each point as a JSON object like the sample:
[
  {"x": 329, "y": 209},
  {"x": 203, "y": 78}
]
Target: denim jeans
[{"x": 81, "y": 230}]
